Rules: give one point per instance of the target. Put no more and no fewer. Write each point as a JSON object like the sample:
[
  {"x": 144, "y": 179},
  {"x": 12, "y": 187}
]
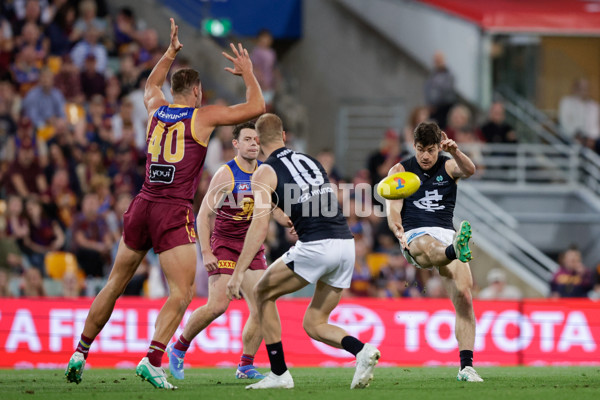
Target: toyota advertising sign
[{"x": 42, "y": 333}]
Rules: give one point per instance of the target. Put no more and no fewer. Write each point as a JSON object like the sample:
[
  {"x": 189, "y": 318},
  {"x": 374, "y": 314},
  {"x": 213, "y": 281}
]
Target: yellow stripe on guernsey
[
  {"x": 232, "y": 178},
  {"x": 242, "y": 169},
  {"x": 149, "y": 123},
  {"x": 193, "y": 124},
  {"x": 187, "y": 222}
]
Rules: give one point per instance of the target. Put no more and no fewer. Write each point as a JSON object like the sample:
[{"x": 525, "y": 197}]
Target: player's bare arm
[
  {"x": 211, "y": 116},
  {"x": 264, "y": 181},
  {"x": 460, "y": 166},
  {"x": 219, "y": 185},
  {"x": 153, "y": 95},
  {"x": 394, "y": 208},
  {"x": 281, "y": 217}
]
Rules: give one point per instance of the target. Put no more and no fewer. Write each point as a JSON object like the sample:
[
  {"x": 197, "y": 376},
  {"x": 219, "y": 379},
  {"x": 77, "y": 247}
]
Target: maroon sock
[
  {"x": 246, "y": 359},
  {"x": 84, "y": 345},
  {"x": 182, "y": 344},
  {"x": 155, "y": 353}
]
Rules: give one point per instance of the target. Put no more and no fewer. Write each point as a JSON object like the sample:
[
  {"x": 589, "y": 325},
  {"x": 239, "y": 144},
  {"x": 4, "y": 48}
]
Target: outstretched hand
[
  {"x": 447, "y": 144},
  {"x": 233, "y": 286},
  {"x": 398, "y": 230},
  {"x": 241, "y": 60},
  {"x": 175, "y": 44}
]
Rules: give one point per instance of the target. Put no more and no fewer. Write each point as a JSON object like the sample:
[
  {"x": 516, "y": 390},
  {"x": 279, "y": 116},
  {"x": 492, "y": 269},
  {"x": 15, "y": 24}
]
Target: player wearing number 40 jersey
[
  {"x": 423, "y": 225},
  {"x": 161, "y": 216},
  {"x": 323, "y": 255}
]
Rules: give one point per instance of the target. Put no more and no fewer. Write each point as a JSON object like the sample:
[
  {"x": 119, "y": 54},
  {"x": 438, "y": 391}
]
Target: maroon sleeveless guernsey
[
  {"x": 235, "y": 213},
  {"x": 175, "y": 156}
]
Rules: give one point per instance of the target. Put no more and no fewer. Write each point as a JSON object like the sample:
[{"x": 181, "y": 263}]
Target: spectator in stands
[
  {"x": 72, "y": 287},
  {"x": 434, "y": 288},
  {"x": 4, "y": 283},
  {"x": 63, "y": 197},
  {"x": 88, "y": 20},
  {"x": 32, "y": 36},
  {"x": 417, "y": 115},
  {"x": 439, "y": 90},
  {"x": 128, "y": 73},
  {"x": 17, "y": 223},
  {"x": 264, "y": 61},
  {"x": 90, "y": 46},
  {"x": 92, "y": 82},
  {"x": 10, "y": 99},
  {"x": 6, "y": 45},
  {"x": 360, "y": 285},
  {"x": 496, "y": 129},
  {"x": 149, "y": 44},
  {"x": 573, "y": 279},
  {"x": 459, "y": 119},
  {"x": 44, "y": 234},
  {"x": 397, "y": 278},
  {"x": 93, "y": 164},
  {"x": 388, "y": 154},
  {"x": 125, "y": 118},
  {"x": 44, "y": 103},
  {"x": 25, "y": 176},
  {"x": 32, "y": 284},
  {"x": 10, "y": 254},
  {"x": 579, "y": 114},
  {"x": 8, "y": 129},
  {"x": 25, "y": 71},
  {"x": 61, "y": 31},
  {"x": 91, "y": 239},
  {"x": 497, "y": 288},
  {"x": 124, "y": 31},
  {"x": 113, "y": 96},
  {"x": 327, "y": 159},
  {"x": 68, "y": 81},
  {"x": 31, "y": 13}
]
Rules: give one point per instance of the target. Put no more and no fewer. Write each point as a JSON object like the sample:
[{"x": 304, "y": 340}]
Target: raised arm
[
  {"x": 219, "y": 185},
  {"x": 211, "y": 116},
  {"x": 264, "y": 181},
  {"x": 153, "y": 95},
  {"x": 394, "y": 209},
  {"x": 461, "y": 165}
]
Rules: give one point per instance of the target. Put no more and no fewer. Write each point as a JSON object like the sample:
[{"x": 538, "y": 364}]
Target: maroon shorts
[
  {"x": 227, "y": 251},
  {"x": 148, "y": 224}
]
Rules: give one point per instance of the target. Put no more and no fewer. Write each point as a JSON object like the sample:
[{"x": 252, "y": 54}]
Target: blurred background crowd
[{"x": 73, "y": 144}]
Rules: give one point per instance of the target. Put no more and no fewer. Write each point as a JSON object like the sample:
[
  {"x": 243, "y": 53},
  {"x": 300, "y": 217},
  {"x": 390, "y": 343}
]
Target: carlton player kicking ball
[{"x": 398, "y": 186}]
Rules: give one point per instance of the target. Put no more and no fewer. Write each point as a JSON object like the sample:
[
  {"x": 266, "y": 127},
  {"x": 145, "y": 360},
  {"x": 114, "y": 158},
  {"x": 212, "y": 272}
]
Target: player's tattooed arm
[
  {"x": 460, "y": 166},
  {"x": 219, "y": 185},
  {"x": 394, "y": 208}
]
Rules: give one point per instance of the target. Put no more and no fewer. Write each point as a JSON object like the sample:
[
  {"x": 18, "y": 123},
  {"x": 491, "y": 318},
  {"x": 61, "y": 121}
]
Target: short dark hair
[
  {"x": 238, "y": 128},
  {"x": 184, "y": 80},
  {"x": 428, "y": 133},
  {"x": 269, "y": 128}
]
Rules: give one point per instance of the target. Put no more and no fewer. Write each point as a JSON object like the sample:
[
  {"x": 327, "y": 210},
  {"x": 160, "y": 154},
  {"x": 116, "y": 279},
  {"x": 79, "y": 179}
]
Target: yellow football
[{"x": 398, "y": 186}]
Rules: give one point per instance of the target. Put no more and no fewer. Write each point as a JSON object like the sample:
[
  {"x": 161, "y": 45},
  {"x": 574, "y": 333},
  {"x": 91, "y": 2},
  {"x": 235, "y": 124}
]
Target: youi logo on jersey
[{"x": 236, "y": 201}]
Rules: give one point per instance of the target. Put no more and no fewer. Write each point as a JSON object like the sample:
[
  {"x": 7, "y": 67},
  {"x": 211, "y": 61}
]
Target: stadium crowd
[{"x": 72, "y": 155}]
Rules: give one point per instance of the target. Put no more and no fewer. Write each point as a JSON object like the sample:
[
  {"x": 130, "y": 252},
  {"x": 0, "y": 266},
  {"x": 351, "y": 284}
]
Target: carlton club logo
[{"x": 358, "y": 321}]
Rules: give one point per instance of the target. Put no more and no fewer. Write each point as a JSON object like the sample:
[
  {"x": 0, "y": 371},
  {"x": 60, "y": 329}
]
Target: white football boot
[
  {"x": 366, "y": 359},
  {"x": 272, "y": 381}
]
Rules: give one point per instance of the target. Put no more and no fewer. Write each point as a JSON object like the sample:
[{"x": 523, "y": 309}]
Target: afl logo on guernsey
[{"x": 244, "y": 186}]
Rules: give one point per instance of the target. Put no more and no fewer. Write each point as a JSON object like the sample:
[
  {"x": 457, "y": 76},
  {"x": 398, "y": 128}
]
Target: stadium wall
[{"x": 42, "y": 333}]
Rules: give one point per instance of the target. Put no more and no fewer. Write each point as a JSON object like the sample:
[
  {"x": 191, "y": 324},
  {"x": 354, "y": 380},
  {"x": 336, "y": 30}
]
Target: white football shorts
[
  {"x": 330, "y": 261},
  {"x": 445, "y": 236}
]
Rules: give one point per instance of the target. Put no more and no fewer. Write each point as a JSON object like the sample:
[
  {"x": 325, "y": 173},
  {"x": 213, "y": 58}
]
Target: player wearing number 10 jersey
[
  {"x": 323, "y": 255},
  {"x": 161, "y": 216}
]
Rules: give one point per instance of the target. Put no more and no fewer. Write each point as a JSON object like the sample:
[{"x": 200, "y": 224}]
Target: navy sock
[
  {"x": 466, "y": 358},
  {"x": 275, "y": 352},
  {"x": 450, "y": 253},
  {"x": 352, "y": 344}
]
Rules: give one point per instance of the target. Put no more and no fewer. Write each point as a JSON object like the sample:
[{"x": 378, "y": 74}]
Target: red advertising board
[{"x": 42, "y": 333}]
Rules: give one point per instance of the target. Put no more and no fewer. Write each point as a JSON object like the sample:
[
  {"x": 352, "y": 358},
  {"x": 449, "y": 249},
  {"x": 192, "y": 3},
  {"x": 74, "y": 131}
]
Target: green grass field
[{"x": 574, "y": 383}]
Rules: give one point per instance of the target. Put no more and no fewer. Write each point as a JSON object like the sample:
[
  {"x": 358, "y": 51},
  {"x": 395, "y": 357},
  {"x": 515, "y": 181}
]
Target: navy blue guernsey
[
  {"x": 433, "y": 204},
  {"x": 304, "y": 193}
]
